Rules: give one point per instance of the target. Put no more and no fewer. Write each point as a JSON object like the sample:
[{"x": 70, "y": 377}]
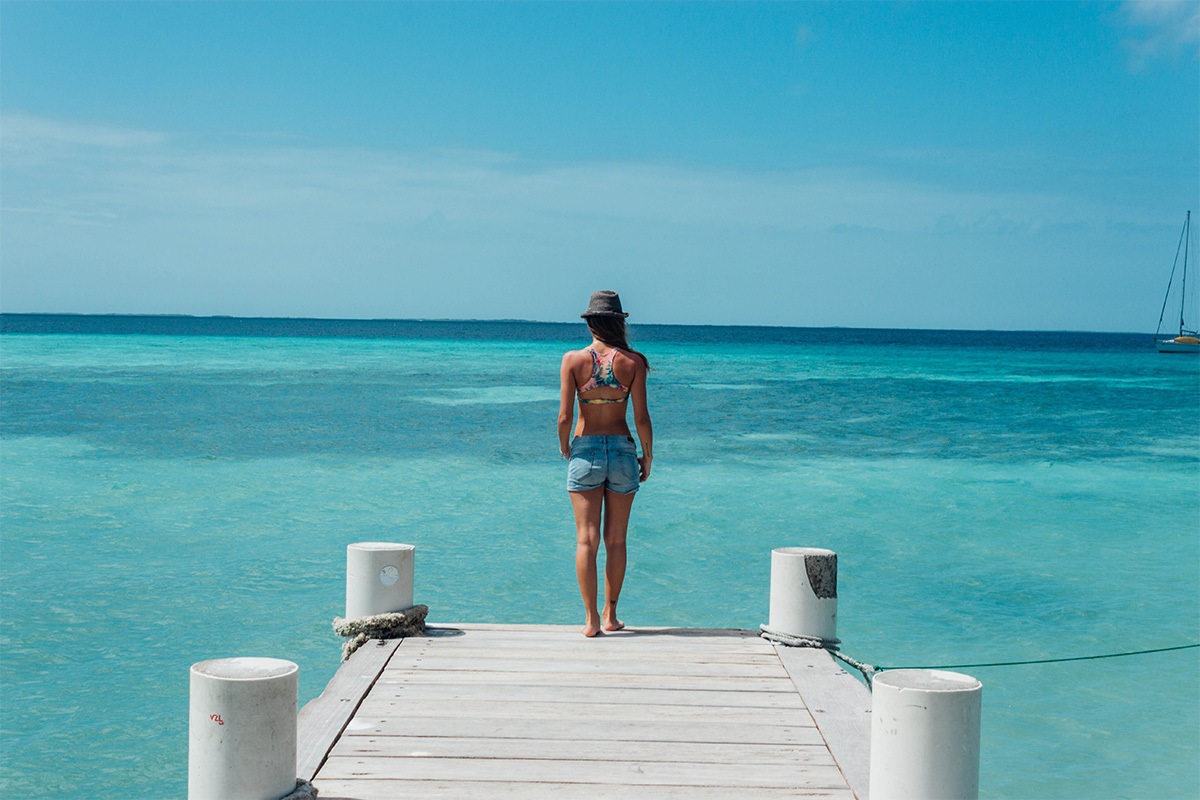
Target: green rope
[{"x": 1048, "y": 660}]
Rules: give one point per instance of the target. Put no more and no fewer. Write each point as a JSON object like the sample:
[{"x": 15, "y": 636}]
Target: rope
[
  {"x": 868, "y": 670},
  {"x": 830, "y": 645},
  {"x": 303, "y": 791},
  {"x": 394, "y": 625},
  {"x": 795, "y": 640},
  {"x": 1051, "y": 660}
]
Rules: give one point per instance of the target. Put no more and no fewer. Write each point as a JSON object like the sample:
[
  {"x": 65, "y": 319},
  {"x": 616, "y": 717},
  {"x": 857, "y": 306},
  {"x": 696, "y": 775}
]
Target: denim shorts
[{"x": 608, "y": 461}]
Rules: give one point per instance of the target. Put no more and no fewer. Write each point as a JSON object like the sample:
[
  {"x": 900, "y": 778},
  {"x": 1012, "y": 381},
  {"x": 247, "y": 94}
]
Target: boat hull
[{"x": 1172, "y": 346}]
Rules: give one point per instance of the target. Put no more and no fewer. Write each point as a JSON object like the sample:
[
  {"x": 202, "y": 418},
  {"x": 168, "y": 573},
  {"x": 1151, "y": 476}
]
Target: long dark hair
[{"x": 612, "y": 331}]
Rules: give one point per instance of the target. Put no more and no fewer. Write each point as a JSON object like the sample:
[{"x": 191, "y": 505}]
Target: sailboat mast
[
  {"x": 1183, "y": 236},
  {"x": 1187, "y": 238}
]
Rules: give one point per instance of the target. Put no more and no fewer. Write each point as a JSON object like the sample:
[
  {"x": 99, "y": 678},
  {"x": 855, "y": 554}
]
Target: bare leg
[
  {"x": 587, "y": 506},
  {"x": 616, "y": 525}
]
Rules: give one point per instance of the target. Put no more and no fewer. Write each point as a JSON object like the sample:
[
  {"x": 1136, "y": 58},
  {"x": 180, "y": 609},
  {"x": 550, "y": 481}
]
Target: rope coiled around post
[
  {"x": 303, "y": 791},
  {"x": 831, "y": 645},
  {"x": 393, "y": 625}
]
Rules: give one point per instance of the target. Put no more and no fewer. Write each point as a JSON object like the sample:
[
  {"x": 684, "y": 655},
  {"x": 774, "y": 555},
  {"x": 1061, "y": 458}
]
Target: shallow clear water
[{"x": 173, "y": 498}]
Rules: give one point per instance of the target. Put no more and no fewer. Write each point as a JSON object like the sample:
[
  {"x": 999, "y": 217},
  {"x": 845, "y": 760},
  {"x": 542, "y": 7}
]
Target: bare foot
[
  {"x": 613, "y": 624},
  {"x": 591, "y": 629}
]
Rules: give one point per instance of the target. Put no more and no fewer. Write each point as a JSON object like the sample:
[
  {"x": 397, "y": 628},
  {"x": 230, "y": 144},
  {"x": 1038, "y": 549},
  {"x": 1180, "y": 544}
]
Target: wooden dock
[{"x": 538, "y": 711}]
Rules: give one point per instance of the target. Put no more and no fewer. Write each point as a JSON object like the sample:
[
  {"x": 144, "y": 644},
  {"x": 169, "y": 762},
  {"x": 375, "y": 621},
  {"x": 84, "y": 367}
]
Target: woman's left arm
[
  {"x": 566, "y": 406},
  {"x": 641, "y": 419}
]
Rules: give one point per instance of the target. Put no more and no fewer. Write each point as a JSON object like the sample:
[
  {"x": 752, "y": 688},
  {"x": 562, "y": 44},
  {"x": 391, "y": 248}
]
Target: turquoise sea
[{"x": 178, "y": 489}]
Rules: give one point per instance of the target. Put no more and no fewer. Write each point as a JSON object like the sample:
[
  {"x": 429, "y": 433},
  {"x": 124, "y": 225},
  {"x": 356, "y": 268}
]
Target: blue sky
[{"x": 947, "y": 165}]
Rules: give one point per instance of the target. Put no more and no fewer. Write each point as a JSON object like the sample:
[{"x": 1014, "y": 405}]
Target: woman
[{"x": 603, "y": 471}]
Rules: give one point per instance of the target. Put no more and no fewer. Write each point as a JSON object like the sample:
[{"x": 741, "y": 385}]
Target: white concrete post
[
  {"x": 242, "y": 729},
  {"x": 804, "y": 592},
  {"x": 379, "y": 578},
  {"x": 925, "y": 735}
]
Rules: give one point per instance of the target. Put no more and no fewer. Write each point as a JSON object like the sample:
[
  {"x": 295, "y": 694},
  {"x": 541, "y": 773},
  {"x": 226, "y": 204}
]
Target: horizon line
[{"x": 550, "y": 322}]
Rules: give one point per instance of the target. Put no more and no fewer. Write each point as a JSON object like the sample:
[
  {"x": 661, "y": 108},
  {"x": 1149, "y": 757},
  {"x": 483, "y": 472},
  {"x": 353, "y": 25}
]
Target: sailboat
[{"x": 1188, "y": 340}]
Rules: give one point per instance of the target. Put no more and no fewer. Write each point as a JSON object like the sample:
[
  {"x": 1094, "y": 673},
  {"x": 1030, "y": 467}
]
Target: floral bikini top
[{"x": 603, "y": 375}]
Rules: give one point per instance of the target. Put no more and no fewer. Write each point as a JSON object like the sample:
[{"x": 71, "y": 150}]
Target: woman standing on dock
[{"x": 604, "y": 470}]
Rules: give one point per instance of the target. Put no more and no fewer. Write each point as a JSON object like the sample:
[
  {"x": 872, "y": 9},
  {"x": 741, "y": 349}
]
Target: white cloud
[
  {"x": 22, "y": 131},
  {"x": 142, "y": 172},
  {"x": 101, "y": 219},
  {"x": 1162, "y": 28}
]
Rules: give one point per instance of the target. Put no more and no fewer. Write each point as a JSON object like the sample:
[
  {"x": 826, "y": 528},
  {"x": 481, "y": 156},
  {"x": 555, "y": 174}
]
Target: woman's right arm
[{"x": 566, "y": 406}]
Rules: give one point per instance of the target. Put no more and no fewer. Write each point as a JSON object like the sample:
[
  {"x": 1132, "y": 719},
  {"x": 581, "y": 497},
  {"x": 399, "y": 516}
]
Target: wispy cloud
[
  {"x": 1161, "y": 28},
  {"x": 170, "y": 223},
  {"x": 20, "y": 131},
  {"x": 107, "y": 170}
]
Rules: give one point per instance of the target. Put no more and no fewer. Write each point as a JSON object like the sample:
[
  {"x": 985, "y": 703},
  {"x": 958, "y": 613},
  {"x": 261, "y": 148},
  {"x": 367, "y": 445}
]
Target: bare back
[{"x": 602, "y": 409}]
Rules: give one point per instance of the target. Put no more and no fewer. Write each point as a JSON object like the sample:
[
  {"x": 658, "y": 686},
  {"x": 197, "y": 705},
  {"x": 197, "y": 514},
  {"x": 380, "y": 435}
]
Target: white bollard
[
  {"x": 242, "y": 729},
  {"x": 379, "y": 578},
  {"x": 925, "y": 735},
  {"x": 804, "y": 592}
]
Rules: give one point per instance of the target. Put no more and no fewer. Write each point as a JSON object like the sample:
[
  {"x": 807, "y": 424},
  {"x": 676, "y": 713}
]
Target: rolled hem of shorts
[{"x": 605, "y": 488}]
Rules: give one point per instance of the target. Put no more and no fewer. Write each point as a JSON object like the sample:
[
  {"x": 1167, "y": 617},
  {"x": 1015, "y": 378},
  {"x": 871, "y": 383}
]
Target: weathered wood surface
[
  {"x": 536, "y": 711},
  {"x": 841, "y": 707},
  {"x": 323, "y": 719},
  {"x": 543, "y": 790}
]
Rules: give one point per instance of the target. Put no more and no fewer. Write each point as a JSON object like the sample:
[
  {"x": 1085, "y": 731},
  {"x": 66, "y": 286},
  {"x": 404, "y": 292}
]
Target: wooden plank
[
  {"x": 640, "y": 773},
  {"x": 528, "y": 709},
  {"x": 548, "y": 651},
  {"x": 841, "y": 708},
  {"x": 622, "y": 641},
  {"x": 772, "y": 684},
  {"x": 586, "y": 667},
  {"x": 736, "y": 754},
  {"x": 584, "y": 727},
  {"x": 372, "y": 789},
  {"x": 628, "y": 638},
  {"x": 613, "y": 642},
  {"x": 585, "y": 695},
  {"x": 502, "y": 659},
  {"x": 538, "y": 711},
  {"x": 570, "y": 636},
  {"x": 517, "y": 629},
  {"x": 322, "y": 720},
  {"x": 552, "y": 650}
]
